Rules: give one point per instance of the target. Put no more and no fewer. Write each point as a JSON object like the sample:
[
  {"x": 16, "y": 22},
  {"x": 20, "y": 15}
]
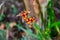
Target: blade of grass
[{"x": 39, "y": 33}]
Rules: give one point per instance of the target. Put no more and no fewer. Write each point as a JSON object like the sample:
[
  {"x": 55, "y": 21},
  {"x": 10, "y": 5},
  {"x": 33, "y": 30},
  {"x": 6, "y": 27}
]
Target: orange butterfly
[
  {"x": 32, "y": 19},
  {"x": 24, "y": 15},
  {"x": 26, "y": 19},
  {"x": 29, "y": 20}
]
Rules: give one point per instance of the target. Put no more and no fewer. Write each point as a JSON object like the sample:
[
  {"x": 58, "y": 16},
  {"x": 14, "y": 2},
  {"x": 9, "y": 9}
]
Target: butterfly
[
  {"x": 30, "y": 20},
  {"x": 24, "y": 15}
]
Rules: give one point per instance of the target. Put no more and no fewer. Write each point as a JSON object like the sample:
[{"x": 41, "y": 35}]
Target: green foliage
[
  {"x": 1, "y": 17},
  {"x": 2, "y": 35},
  {"x": 14, "y": 8},
  {"x": 39, "y": 33}
]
